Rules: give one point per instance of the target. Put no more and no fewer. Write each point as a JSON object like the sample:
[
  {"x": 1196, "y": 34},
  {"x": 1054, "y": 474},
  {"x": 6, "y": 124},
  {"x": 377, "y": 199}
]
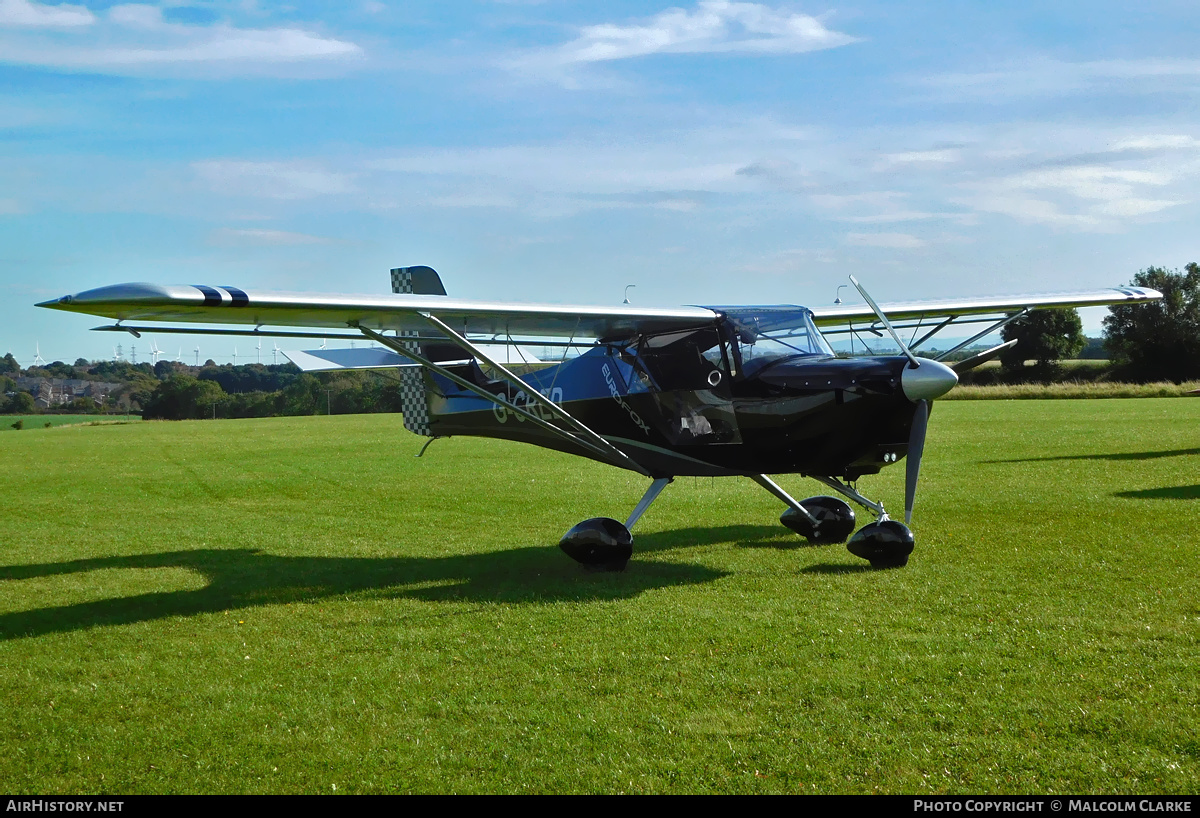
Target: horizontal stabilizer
[{"x": 325, "y": 360}]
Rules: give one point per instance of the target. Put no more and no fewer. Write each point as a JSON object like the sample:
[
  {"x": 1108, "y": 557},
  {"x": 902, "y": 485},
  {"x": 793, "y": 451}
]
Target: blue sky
[{"x": 710, "y": 152}]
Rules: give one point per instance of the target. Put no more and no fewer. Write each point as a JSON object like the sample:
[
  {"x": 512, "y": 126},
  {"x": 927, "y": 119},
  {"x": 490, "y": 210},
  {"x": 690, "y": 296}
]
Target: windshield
[{"x": 766, "y": 335}]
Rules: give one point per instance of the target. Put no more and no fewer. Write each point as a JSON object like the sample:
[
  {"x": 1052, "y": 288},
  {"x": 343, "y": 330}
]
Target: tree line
[{"x": 1159, "y": 341}]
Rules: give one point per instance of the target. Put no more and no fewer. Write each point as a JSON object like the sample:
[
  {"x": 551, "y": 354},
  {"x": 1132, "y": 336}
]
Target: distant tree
[
  {"x": 1093, "y": 350},
  {"x": 58, "y": 369},
  {"x": 22, "y": 403},
  {"x": 1045, "y": 336},
  {"x": 1160, "y": 340},
  {"x": 182, "y": 397},
  {"x": 83, "y": 363},
  {"x": 83, "y": 406},
  {"x": 9, "y": 365}
]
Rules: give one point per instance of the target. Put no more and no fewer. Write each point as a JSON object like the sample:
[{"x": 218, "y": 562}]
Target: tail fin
[{"x": 414, "y": 404}]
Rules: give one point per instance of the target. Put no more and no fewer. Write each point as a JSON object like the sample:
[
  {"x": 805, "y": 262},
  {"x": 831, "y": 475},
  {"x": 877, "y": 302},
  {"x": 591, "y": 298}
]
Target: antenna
[
  {"x": 627, "y": 286},
  {"x": 133, "y": 354}
]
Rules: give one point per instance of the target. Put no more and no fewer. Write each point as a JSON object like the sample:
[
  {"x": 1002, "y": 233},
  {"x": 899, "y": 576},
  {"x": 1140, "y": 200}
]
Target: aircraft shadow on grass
[
  {"x": 245, "y": 578},
  {"x": 1113, "y": 456},
  {"x": 1164, "y": 493}
]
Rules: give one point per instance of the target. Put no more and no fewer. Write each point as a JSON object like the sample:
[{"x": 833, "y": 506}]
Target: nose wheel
[{"x": 884, "y": 544}]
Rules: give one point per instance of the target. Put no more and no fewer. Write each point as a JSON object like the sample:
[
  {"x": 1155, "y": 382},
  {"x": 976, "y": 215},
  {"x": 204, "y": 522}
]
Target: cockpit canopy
[
  {"x": 765, "y": 335},
  {"x": 747, "y": 340}
]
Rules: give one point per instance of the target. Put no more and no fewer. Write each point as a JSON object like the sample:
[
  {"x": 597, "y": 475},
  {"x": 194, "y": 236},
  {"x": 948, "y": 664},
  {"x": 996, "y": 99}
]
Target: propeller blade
[
  {"x": 982, "y": 357},
  {"x": 883, "y": 320},
  {"x": 916, "y": 445}
]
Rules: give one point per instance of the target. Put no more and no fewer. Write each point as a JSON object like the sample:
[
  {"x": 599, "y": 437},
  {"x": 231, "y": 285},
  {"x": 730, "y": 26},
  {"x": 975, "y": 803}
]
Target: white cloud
[
  {"x": 135, "y": 37},
  {"x": 870, "y": 198},
  {"x": 713, "y": 27},
  {"x": 228, "y": 236},
  {"x": 941, "y": 156},
  {"x": 1154, "y": 142},
  {"x": 1044, "y": 77},
  {"x": 1135, "y": 207},
  {"x": 1088, "y": 182},
  {"x": 896, "y": 241},
  {"x": 1037, "y": 211},
  {"x": 275, "y": 180},
  {"x": 41, "y": 15},
  {"x": 902, "y": 216}
]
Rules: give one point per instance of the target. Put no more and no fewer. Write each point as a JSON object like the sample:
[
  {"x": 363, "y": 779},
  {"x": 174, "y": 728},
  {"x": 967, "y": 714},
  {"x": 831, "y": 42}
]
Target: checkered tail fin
[{"x": 414, "y": 403}]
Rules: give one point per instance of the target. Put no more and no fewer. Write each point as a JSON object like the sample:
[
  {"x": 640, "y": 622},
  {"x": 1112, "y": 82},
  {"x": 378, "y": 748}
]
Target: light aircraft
[{"x": 712, "y": 391}]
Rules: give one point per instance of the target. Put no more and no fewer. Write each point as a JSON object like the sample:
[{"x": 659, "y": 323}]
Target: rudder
[{"x": 414, "y": 406}]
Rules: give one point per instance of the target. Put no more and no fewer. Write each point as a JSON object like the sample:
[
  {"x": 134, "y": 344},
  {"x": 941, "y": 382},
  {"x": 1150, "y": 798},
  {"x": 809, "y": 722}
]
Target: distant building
[{"x": 50, "y": 392}]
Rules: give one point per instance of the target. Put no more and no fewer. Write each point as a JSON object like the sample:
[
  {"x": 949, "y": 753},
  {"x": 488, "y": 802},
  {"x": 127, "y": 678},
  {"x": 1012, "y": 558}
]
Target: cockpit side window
[{"x": 692, "y": 359}]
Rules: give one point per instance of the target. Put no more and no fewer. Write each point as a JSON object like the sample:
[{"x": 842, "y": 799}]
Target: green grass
[
  {"x": 294, "y": 605},
  {"x": 40, "y": 421}
]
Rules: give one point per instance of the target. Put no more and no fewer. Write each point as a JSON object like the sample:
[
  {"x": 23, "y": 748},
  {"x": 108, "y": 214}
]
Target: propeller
[
  {"x": 886, "y": 323},
  {"x": 916, "y": 447},
  {"x": 921, "y": 382}
]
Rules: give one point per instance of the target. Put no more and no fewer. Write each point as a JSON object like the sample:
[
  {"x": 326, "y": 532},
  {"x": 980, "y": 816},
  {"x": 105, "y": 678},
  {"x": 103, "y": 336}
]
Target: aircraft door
[{"x": 689, "y": 378}]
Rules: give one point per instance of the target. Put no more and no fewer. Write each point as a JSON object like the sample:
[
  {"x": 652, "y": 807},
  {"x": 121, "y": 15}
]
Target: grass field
[
  {"x": 300, "y": 605},
  {"x": 40, "y": 421}
]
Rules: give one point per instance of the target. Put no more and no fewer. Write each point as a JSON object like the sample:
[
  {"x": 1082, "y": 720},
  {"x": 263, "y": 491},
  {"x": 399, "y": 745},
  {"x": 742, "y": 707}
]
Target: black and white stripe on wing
[{"x": 216, "y": 296}]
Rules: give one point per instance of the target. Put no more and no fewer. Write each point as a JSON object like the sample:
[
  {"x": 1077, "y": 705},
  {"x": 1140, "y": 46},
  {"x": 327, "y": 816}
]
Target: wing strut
[
  {"x": 393, "y": 344},
  {"x": 534, "y": 395},
  {"x": 602, "y": 453},
  {"x": 773, "y": 487},
  {"x": 1001, "y": 323}
]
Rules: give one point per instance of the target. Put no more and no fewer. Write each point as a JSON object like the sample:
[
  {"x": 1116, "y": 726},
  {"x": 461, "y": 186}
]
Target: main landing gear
[
  {"x": 885, "y": 543},
  {"x": 602, "y": 543},
  {"x": 605, "y": 544}
]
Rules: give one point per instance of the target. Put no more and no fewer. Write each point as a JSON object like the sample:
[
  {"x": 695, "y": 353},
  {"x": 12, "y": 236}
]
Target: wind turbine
[
  {"x": 259, "y": 347},
  {"x": 197, "y": 356},
  {"x": 155, "y": 352},
  {"x": 179, "y": 356},
  {"x": 38, "y": 360},
  {"x": 275, "y": 354},
  {"x": 235, "y": 356}
]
